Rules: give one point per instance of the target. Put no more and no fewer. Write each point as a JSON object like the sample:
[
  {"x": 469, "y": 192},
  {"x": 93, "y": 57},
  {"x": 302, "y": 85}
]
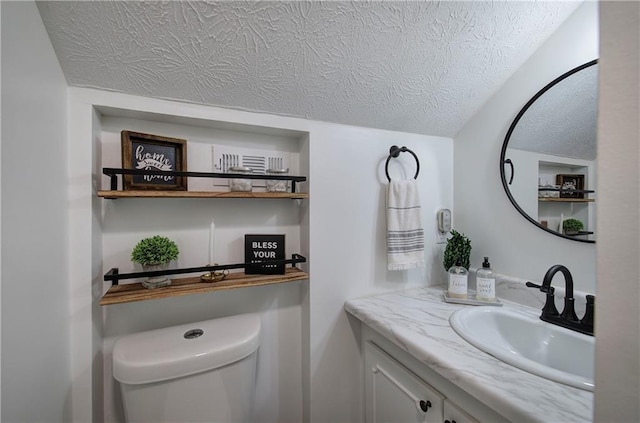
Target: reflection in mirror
[{"x": 548, "y": 158}]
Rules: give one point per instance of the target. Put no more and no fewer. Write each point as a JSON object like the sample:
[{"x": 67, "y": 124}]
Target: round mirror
[{"x": 547, "y": 162}]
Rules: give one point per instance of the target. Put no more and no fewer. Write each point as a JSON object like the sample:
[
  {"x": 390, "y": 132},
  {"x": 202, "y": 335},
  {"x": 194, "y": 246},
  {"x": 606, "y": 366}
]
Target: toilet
[{"x": 198, "y": 372}]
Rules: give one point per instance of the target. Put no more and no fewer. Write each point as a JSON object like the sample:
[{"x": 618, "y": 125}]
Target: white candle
[{"x": 212, "y": 231}]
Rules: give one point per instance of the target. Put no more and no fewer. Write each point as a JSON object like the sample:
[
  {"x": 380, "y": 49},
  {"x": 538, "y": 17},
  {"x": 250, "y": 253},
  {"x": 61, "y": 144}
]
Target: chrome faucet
[{"x": 568, "y": 318}]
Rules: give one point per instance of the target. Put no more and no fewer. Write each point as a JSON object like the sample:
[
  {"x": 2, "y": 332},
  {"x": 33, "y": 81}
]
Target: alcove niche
[{"x": 104, "y": 232}]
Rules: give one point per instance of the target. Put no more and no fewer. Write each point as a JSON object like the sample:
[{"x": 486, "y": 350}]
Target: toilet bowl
[{"x": 198, "y": 372}]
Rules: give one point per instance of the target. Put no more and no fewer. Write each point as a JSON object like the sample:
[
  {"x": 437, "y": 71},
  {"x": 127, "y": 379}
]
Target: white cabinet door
[
  {"x": 454, "y": 414},
  {"x": 396, "y": 395}
]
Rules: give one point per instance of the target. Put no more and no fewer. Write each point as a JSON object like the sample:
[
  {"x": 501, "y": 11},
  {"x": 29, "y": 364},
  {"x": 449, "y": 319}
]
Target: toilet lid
[{"x": 184, "y": 350}]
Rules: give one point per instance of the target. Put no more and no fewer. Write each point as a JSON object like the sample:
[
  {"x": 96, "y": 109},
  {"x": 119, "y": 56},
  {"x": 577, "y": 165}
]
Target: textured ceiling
[
  {"x": 419, "y": 66},
  {"x": 562, "y": 122}
]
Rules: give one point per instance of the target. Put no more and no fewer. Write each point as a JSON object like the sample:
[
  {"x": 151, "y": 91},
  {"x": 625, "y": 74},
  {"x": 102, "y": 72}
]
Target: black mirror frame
[{"x": 503, "y": 152}]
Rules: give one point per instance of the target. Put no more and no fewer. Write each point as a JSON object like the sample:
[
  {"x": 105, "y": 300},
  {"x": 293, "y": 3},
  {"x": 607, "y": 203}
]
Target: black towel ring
[{"x": 395, "y": 151}]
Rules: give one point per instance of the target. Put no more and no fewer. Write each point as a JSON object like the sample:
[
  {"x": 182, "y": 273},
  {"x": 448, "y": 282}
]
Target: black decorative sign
[{"x": 258, "y": 249}]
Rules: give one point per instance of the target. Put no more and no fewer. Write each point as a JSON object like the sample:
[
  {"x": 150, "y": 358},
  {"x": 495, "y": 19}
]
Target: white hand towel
[{"x": 405, "y": 234}]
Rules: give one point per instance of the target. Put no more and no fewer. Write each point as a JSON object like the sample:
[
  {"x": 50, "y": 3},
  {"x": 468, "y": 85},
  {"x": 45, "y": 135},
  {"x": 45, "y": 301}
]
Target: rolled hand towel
[{"x": 405, "y": 234}]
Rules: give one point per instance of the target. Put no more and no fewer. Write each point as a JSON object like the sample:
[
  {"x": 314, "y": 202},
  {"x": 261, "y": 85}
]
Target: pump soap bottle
[
  {"x": 485, "y": 282},
  {"x": 458, "y": 277}
]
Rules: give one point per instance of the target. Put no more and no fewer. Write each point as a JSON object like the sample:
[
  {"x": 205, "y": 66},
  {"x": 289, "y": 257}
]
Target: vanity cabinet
[
  {"x": 401, "y": 389},
  {"x": 454, "y": 414},
  {"x": 394, "y": 394}
]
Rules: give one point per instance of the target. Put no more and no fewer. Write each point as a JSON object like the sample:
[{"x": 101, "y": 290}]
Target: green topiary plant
[
  {"x": 458, "y": 247},
  {"x": 154, "y": 250},
  {"x": 572, "y": 226}
]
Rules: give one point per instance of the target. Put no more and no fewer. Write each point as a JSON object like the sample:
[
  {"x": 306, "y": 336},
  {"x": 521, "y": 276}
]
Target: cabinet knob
[{"x": 425, "y": 405}]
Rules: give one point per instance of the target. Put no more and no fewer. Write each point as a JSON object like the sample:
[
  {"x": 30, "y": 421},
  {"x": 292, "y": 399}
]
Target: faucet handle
[
  {"x": 548, "y": 290},
  {"x": 589, "y": 314},
  {"x": 549, "y": 308}
]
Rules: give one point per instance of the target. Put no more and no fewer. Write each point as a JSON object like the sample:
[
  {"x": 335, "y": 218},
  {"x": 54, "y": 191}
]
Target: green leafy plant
[
  {"x": 572, "y": 225},
  {"x": 458, "y": 247},
  {"x": 154, "y": 250}
]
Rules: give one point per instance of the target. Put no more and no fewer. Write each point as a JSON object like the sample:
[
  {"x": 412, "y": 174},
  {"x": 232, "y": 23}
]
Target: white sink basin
[{"x": 522, "y": 340}]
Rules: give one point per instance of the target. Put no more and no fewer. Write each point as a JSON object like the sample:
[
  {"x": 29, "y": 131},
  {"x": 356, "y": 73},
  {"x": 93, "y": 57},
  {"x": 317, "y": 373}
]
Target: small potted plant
[
  {"x": 572, "y": 226},
  {"x": 458, "y": 247},
  {"x": 155, "y": 253}
]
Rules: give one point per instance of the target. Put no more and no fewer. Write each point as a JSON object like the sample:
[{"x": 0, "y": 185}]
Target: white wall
[
  {"x": 482, "y": 209},
  {"x": 348, "y": 253},
  {"x": 0, "y": 233},
  {"x": 35, "y": 292},
  {"x": 618, "y": 318}
]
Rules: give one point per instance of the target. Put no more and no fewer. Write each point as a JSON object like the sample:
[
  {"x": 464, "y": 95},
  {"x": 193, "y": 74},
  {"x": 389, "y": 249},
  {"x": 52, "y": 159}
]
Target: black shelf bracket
[
  {"x": 115, "y": 276},
  {"x": 113, "y": 173}
]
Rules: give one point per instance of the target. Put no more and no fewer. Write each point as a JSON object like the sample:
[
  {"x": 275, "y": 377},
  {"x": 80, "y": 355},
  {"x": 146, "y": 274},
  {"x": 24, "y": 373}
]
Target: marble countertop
[{"x": 417, "y": 321}]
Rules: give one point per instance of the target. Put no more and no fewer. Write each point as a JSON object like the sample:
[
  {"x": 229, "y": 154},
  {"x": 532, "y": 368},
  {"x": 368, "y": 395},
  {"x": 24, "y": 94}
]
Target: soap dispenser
[
  {"x": 485, "y": 282},
  {"x": 458, "y": 277}
]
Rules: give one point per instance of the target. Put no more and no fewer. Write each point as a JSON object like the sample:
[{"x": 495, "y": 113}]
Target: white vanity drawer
[
  {"x": 394, "y": 394},
  {"x": 454, "y": 414}
]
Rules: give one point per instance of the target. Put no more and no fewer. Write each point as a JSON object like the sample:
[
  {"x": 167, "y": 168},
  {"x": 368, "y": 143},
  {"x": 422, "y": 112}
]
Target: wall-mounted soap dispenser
[{"x": 444, "y": 225}]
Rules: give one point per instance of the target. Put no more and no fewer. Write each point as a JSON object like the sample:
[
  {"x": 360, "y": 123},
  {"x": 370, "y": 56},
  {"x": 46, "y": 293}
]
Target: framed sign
[
  {"x": 261, "y": 248},
  {"x": 153, "y": 152},
  {"x": 569, "y": 184}
]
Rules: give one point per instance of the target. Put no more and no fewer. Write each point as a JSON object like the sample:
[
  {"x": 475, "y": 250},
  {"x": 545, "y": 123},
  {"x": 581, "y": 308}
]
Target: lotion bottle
[
  {"x": 458, "y": 277},
  {"x": 485, "y": 282}
]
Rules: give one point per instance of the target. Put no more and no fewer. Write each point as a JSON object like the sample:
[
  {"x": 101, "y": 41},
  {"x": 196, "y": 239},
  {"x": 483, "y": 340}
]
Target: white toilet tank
[{"x": 198, "y": 372}]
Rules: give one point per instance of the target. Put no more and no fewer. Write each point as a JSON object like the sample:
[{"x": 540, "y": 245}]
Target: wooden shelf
[
  {"x": 565, "y": 200},
  {"x": 579, "y": 233},
  {"x": 199, "y": 194},
  {"x": 128, "y": 293},
  {"x": 579, "y": 191}
]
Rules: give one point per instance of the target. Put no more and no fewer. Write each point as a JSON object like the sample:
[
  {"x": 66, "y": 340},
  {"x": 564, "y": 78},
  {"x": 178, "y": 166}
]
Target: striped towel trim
[
  {"x": 404, "y": 241},
  {"x": 405, "y": 234}
]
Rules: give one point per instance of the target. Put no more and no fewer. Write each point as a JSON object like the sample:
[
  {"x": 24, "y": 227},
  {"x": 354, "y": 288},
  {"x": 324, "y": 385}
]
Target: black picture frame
[
  {"x": 153, "y": 152},
  {"x": 571, "y": 185}
]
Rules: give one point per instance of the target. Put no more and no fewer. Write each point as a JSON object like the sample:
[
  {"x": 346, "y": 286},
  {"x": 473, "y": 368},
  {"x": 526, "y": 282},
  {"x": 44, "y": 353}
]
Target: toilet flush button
[{"x": 193, "y": 333}]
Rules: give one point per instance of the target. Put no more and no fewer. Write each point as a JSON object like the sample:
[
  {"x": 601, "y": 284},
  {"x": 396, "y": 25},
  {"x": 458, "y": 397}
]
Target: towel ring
[{"x": 395, "y": 151}]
